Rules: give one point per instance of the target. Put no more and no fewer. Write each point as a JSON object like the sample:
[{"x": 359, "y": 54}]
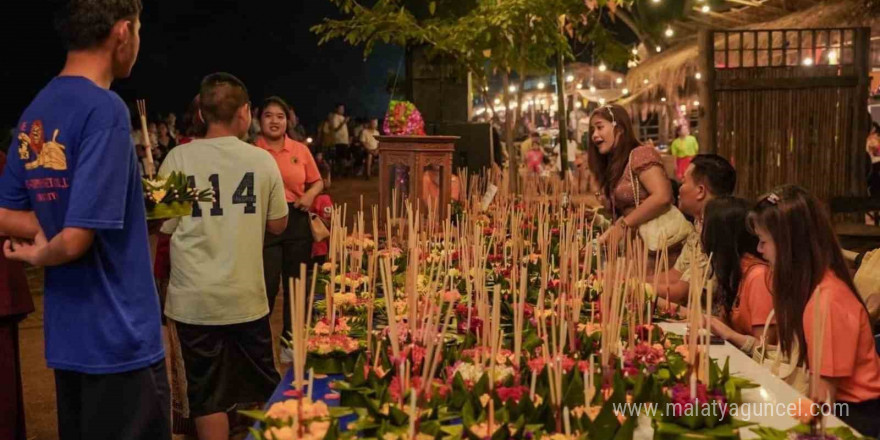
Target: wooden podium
[{"x": 419, "y": 168}]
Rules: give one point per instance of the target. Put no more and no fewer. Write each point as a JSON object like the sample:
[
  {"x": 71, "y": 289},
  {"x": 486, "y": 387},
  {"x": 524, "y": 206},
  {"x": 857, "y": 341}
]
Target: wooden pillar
[
  {"x": 860, "y": 126},
  {"x": 708, "y": 122}
]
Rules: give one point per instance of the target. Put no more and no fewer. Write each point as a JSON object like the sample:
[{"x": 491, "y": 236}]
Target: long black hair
[
  {"x": 727, "y": 238},
  {"x": 806, "y": 248}
]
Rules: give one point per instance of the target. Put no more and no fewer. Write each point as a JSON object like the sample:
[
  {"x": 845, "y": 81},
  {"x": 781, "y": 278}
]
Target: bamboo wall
[{"x": 781, "y": 119}]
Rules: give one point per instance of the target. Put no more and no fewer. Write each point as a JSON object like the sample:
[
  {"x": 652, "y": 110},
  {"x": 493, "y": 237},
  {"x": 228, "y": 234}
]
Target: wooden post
[
  {"x": 860, "y": 128},
  {"x": 708, "y": 122}
]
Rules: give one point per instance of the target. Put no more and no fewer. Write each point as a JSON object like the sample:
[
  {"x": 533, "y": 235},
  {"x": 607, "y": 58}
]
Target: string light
[
  {"x": 698, "y": 75},
  {"x": 592, "y": 89},
  {"x": 569, "y": 78},
  {"x": 705, "y": 9},
  {"x": 626, "y": 91},
  {"x": 577, "y": 105},
  {"x": 579, "y": 86},
  {"x": 683, "y": 108},
  {"x": 669, "y": 32},
  {"x": 603, "y": 67},
  {"x": 619, "y": 80},
  {"x": 541, "y": 85},
  {"x": 309, "y": 140},
  {"x": 659, "y": 49},
  {"x": 696, "y": 103},
  {"x": 663, "y": 99},
  {"x": 497, "y": 101},
  {"x": 646, "y": 81},
  {"x": 635, "y": 51},
  {"x": 808, "y": 61},
  {"x": 512, "y": 89},
  {"x": 601, "y": 101}
]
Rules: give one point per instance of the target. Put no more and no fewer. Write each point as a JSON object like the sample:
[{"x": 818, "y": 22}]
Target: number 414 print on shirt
[{"x": 244, "y": 195}]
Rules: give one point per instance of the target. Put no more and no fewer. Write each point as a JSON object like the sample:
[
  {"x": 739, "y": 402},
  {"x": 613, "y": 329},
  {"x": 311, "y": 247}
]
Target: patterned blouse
[{"x": 642, "y": 159}]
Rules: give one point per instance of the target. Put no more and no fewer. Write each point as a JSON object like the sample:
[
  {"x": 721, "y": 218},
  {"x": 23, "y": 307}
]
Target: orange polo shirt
[
  {"x": 296, "y": 164},
  {"x": 848, "y": 353},
  {"x": 755, "y": 301}
]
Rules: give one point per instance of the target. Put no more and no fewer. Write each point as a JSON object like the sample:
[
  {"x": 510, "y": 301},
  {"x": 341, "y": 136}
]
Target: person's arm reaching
[
  {"x": 658, "y": 200},
  {"x": 68, "y": 245},
  {"x": 305, "y": 202},
  {"x": 20, "y": 224}
]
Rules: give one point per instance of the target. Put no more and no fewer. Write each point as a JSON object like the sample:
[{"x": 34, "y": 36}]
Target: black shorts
[
  {"x": 132, "y": 405},
  {"x": 225, "y": 365}
]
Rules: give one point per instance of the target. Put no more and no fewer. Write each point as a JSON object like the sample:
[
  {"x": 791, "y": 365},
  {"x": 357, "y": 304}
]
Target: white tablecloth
[{"x": 772, "y": 390}]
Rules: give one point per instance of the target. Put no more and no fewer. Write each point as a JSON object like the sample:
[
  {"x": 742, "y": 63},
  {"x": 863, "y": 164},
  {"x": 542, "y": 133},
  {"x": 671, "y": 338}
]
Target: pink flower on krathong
[
  {"x": 451, "y": 295},
  {"x": 536, "y": 364},
  {"x": 553, "y": 284},
  {"x": 511, "y": 393}
]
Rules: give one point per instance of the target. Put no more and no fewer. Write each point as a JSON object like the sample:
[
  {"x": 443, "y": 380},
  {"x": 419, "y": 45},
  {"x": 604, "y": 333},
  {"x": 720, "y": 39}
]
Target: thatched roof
[{"x": 671, "y": 74}]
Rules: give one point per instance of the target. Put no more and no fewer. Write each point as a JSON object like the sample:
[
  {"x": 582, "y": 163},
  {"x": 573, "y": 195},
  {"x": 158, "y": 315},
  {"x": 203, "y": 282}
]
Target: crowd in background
[{"x": 341, "y": 146}]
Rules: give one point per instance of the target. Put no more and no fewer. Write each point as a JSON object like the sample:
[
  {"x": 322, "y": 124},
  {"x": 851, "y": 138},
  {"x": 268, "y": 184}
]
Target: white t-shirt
[
  {"x": 340, "y": 135},
  {"x": 368, "y": 138},
  {"x": 217, "y": 252}
]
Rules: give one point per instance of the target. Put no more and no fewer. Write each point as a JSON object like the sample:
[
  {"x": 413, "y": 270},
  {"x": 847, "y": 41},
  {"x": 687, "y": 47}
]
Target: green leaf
[{"x": 432, "y": 7}]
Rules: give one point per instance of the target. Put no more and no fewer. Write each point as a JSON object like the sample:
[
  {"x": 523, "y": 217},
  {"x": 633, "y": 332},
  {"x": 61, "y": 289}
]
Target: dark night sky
[{"x": 266, "y": 43}]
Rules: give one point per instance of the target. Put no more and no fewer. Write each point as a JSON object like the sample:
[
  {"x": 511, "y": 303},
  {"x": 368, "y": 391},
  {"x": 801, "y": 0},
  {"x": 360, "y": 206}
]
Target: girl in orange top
[
  {"x": 796, "y": 237},
  {"x": 742, "y": 280},
  {"x": 283, "y": 254}
]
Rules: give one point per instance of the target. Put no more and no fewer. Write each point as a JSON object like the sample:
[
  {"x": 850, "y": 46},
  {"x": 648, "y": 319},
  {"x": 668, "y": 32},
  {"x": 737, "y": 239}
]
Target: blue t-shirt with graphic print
[{"x": 73, "y": 163}]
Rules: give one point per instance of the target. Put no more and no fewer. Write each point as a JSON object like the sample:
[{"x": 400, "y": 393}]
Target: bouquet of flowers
[
  {"x": 172, "y": 196},
  {"x": 403, "y": 119}
]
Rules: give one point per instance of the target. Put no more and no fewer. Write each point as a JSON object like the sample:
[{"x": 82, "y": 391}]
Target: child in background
[
  {"x": 323, "y": 207},
  {"x": 535, "y": 158}
]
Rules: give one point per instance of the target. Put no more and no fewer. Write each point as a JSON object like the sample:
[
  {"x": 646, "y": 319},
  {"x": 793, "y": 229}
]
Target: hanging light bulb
[
  {"x": 579, "y": 86},
  {"x": 808, "y": 61},
  {"x": 569, "y": 78},
  {"x": 625, "y": 91},
  {"x": 663, "y": 99},
  {"x": 512, "y": 89},
  {"x": 497, "y": 101},
  {"x": 659, "y": 49},
  {"x": 592, "y": 89},
  {"x": 619, "y": 80},
  {"x": 578, "y": 105},
  {"x": 645, "y": 81},
  {"x": 603, "y": 67},
  {"x": 541, "y": 85},
  {"x": 705, "y": 9},
  {"x": 698, "y": 75},
  {"x": 696, "y": 103},
  {"x": 669, "y": 32},
  {"x": 601, "y": 101},
  {"x": 635, "y": 51}
]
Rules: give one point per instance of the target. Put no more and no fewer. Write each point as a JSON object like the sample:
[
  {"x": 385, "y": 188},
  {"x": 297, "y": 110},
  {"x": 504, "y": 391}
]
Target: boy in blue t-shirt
[{"x": 72, "y": 200}]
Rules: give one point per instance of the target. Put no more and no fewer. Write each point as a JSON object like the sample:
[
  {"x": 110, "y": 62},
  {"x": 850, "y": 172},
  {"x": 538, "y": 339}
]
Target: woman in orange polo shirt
[
  {"x": 796, "y": 237},
  {"x": 283, "y": 254},
  {"x": 742, "y": 279}
]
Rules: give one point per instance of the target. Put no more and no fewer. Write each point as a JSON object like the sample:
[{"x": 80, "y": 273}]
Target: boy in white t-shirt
[{"x": 216, "y": 296}]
